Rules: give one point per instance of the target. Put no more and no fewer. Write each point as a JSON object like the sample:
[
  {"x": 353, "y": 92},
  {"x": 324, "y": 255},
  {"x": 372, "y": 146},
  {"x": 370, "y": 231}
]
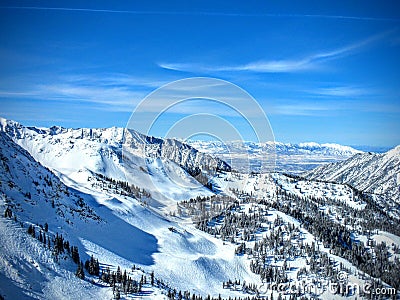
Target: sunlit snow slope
[
  {"x": 373, "y": 173},
  {"x": 116, "y": 228}
]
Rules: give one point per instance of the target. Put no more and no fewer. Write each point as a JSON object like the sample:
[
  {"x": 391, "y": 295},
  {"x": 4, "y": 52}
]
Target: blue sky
[{"x": 322, "y": 71}]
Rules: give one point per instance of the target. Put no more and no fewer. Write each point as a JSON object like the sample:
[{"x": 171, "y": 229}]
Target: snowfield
[
  {"x": 370, "y": 172},
  {"x": 126, "y": 232},
  {"x": 29, "y": 272},
  {"x": 130, "y": 201}
]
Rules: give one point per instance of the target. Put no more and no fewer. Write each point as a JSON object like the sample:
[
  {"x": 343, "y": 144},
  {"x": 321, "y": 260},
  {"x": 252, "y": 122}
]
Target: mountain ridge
[
  {"x": 293, "y": 148},
  {"x": 113, "y": 141},
  {"x": 375, "y": 173}
]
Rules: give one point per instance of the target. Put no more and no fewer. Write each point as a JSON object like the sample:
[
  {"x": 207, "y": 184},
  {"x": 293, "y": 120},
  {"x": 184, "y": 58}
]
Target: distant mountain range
[
  {"x": 310, "y": 148},
  {"x": 109, "y": 142},
  {"x": 275, "y": 156}
]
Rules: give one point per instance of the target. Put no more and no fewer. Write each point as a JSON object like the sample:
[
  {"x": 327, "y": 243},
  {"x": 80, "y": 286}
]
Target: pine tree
[
  {"x": 75, "y": 254},
  {"x": 79, "y": 271},
  {"x": 119, "y": 275},
  {"x": 117, "y": 294}
]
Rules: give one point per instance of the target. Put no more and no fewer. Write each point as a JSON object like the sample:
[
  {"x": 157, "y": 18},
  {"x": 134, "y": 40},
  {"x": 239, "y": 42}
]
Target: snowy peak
[
  {"x": 182, "y": 154},
  {"x": 102, "y": 135},
  {"x": 35, "y": 188},
  {"x": 393, "y": 153},
  {"x": 312, "y": 148},
  {"x": 132, "y": 141},
  {"x": 12, "y": 128},
  {"x": 369, "y": 172},
  {"x": 327, "y": 148},
  {"x": 116, "y": 153}
]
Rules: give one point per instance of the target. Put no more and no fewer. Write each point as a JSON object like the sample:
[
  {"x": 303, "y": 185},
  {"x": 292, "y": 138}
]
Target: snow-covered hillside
[
  {"x": 373, "y": 173},
  {"x": 160, "y": 166},
  {"x": 100, "y": 220},
  {"x": 49, "y": 144},
  {"x": 285, "y": 157},
  {"x": 128, "y": 207},
  {"x": 36, "y": 188}
]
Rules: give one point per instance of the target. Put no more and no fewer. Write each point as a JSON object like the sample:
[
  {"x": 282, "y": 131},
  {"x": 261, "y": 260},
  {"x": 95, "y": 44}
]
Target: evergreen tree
[{"x": 79, "y": 271}]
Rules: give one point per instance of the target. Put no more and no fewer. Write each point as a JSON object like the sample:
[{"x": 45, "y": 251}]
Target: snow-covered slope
[
  {"x": 163, "y": 167},
  {"x": 260, "y": 229},
  {"x": 29, "y": 271},
  {"x": 36, "y": 188},
  {"x": 287, "y": 157},
  {"x": 106, "y": 143},
  {"x": 369, "y": 172},
  {"x": 174, "y": 150},
  {"x": 117, "y": 229}
]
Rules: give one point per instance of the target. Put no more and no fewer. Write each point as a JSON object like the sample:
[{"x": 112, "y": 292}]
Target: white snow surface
[
  {"x": 47, "y": 175},
  {"x": 71, "y": 152},
  {"x": 373, "y": 173},
  {"x": 117, "y": 229}
]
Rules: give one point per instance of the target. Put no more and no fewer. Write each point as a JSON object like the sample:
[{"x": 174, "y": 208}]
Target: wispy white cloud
[
  {"x": 114, "y": 92},
  {"x": 101, "y": 95},
  {"x": 273, "y": 66},
  {"x": 113, "y": 80},
  {"x": 203, "y": 13},
  {"x": 342, "y": 91},
  {"x": 331, "y": 107},
  {"x": 291, "y": 107},
  {"x": 113, "y": 98},
  {"x": 122, "y": 93},
  {"x": 310, "y": 62},
  {"x": 185, "y": 67},
  {"x": 301, "y": 109},
  {"x": 201, "y": 95},
  {"x": 18, "y": 94}
]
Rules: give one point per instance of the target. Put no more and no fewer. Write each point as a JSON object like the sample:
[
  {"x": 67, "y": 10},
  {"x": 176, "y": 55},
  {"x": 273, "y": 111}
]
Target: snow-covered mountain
[
  {"x": 184, "y": 155},
  {"x": 164, "y": 167},
  {"x": 35, "y": 187},
  {"x": 101, "y": 149},
  {"x": 155, "y": 232},
  {"x": 373, "y": 173},
  {"x": 101, "y": 217},
  {"x": 310, "y": 148},
  {"x": 283, "y": 157},
  {"x": 109, "y": 142}
]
